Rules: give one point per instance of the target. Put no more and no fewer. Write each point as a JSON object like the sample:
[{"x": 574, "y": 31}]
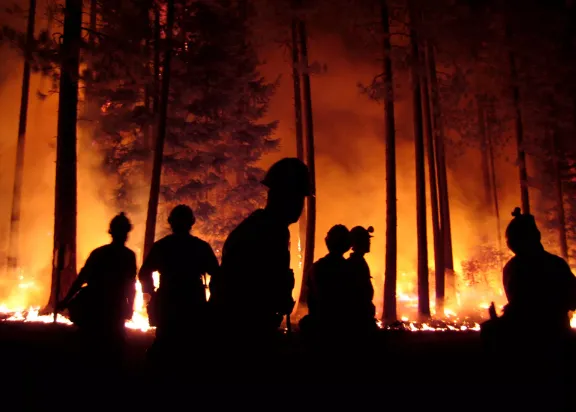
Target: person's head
[
  {"x": 338, "y": 240},
  {"x": 120, "y": 226},
  {"x": 181, "y": 219},
  {"x": 522, "y": 234},
  {"x": 360, "y": 237},
  {"x": 288, "y": 182}
]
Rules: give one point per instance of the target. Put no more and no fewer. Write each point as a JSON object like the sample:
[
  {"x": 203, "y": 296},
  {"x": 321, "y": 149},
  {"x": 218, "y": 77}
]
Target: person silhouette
[
  {"x": 178, "y": 307},
  {"x": 328, "y": 283},
  {"x": 255, "y": 277},
  {"x": 101, "y": 298},
  {"x": 362, "y": 310},
  {"x": 540, "y": 287}
]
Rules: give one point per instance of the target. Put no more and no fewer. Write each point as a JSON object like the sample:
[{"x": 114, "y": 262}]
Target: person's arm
[
  {"x": 212, "y": 267},
  {"x": 82, "y": 278},
  {"x": 570, "y": 286},
  {"x": 149, "y": 266},
  {"x": 507, "y": 282},
  {"x": 131, "y": 286}
]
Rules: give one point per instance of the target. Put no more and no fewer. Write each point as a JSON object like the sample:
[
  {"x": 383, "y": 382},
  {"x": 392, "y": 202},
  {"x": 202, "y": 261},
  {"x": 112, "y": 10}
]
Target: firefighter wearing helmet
[
  {"x": 361, "y": 291},
  {"x": 328, "y": 285},
  {"x": 101, "y": 298},
  {"x": 255, "y": 277},
  {"x": 534, "y": 276},
  {"x": 179, "y": 304}
]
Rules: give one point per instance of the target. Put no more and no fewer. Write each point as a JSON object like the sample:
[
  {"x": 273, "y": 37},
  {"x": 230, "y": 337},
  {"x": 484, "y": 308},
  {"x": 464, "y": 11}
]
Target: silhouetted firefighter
[
  {"x": 531, "y": 339},
  {"x": 361, "y": 291},
  {"x": 253, "y": 290},
  {"x": 178, "y": 307},
  {"x": 101, "y": 298},
  {"x": 328, "y": 283}
]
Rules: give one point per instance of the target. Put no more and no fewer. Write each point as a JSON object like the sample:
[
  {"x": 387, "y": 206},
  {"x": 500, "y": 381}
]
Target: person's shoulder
[
  {"x": 200, "y": 243},
  {"x": 556, "y": 261},
  {"x": 101, "y": 251},
  {"x": 129, "y": 252}
]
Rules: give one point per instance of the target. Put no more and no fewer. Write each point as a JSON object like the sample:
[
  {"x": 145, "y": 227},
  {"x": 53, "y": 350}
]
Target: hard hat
[
  {"x": 338, "y": 232},
  {"x": 289, "y": 174},
  {"x": 359, "y": 232},
  {"x": 120, "y": 224},
  {"x": 181, "y": 215},
  {"x": 522, "y": 226}
]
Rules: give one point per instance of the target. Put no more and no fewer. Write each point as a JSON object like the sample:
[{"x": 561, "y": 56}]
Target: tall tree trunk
[
  {"x": 156, "y": 91},
  {"x": 519, "y": 126},
  {"x": 563, "y": 240},
  {"x": 65, "y": 210},
  {"x": 299, "y": 148},
  {"x": 93, "y": 19},
  {"x": 13, "y": 245},
  {"x": 485, "y": 161},
  {"x": 422, "y": 238},
  {"x": 438, "y": 242},
  {"x": 490, "y": 115},
  {"x": 444, "y": 200},
  {"x": 390, "y": 276},
  {"x": 311, "y": 200},
  {"x": 160, "y": 136}
]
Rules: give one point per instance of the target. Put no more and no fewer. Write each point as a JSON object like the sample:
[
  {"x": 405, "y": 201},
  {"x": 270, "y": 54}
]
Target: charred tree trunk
[
  {"x": 299, "y": 145},
  {"x": 444, "y": 201},
  {"x": 519, "y": 126},
  {"x": 311, "y": 200},
  {"x": 563, "y": 240},
  {"x": 156, "y": 86},
  {"x": 489, "y": 118},
  {"x": 160, "y": 136},
  {"x": 390, "y": 276},
  {"x": 65, "y": 210},
  {"x": 435, "y": 212},
  {"x": 485, "y": 162},
  {"x": 13, "y": 245},
  {"x": 93, "y": 18},
  {"x": 422, "y": 238}
]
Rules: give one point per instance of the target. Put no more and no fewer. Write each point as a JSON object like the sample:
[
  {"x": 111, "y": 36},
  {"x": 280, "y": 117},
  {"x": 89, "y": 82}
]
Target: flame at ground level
[{"x": 449, "y": 322}]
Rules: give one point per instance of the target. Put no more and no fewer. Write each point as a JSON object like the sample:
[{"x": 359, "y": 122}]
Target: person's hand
[{"x": 492, "y": 311}]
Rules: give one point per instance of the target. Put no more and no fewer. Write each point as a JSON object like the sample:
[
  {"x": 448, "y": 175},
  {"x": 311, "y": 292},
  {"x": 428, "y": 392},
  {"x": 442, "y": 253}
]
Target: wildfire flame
[{"x": 139, "y": 319}]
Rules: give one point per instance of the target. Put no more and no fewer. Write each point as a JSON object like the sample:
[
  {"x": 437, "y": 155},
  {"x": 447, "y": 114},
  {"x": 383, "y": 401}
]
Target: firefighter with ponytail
[{"x": 101, "y": 299}]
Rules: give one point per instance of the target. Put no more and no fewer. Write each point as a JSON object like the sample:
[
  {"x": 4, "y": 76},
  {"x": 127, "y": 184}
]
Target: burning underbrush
[
  {"x": 407, "y": 304},
  {"x": 466, "y": 306}
]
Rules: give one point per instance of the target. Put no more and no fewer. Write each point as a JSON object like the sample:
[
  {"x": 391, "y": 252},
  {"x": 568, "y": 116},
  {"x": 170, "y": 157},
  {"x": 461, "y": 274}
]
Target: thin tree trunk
[
  {"x": 559, "y": 198},
  {"x": 519, "y": 126},
  {"x": 489, "y": 116},
  {"x": 93, "y": 18},
  {"x": 156, "y": 91},
  {"x": 422, "y": 238},
  {"x": 65, "y": 210},
  {"x": 444, "y": 199},
  {"x": 13, "y": 245},
  {"x": 299, "y": 147},
  {"x": 485, "y": 161},
  {"x": 160, "y": 136},
  {"x": 311, "y": 200},
  {"x": 438, "y": 243},
  {"x": 390, "y": 276}
]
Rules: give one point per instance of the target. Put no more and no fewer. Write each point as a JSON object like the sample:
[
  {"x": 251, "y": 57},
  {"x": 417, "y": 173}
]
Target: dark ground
[{"x": 43, "y": 367}]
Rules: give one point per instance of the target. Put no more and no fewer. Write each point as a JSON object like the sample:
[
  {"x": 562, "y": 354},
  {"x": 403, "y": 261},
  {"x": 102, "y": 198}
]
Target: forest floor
[{"x": 41, "y": 367}]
